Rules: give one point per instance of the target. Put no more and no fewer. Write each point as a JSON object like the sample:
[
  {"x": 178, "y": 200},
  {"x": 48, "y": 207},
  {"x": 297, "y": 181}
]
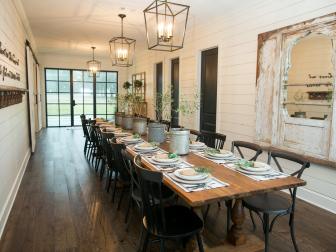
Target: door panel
[
  {"x": 209, "y": 90},
  {"x": 175, "y": 68}
]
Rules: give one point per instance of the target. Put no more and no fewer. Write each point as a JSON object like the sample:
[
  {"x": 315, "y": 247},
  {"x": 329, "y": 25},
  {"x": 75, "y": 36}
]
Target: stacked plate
[
  {"x": 190, "y": 176},
  {"x": 165, "y": 160},
  {"x": 254, "y": 168},
  {"x": 145, "y": 147},
  {"x": 122, "y": 134},
  {"x": 219, "y": 154},
  {"x": 131, "y": 139},
  {"x": 195, "y": 145}
]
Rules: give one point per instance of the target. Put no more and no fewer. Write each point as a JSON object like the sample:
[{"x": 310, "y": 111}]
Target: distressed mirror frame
[{"x": 272, "y": 120}]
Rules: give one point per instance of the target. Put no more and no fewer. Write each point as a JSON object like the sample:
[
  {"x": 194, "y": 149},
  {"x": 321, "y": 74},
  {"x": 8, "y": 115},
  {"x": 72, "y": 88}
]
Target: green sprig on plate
[
  {"x": 244, "y": 163},
  {"x": 172, "y": 155},
  {"x": 203, "y": 170},
  {"x": 136, "y": 136},
  {"x": 212, "y": 150}
]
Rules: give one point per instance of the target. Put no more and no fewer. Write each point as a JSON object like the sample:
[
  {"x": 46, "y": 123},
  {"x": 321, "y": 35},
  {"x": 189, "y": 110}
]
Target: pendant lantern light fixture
[
  {"x": 122, "y": 48},
  {"x": 93, "y": 66},
  {"x": 166, "y": 24}
]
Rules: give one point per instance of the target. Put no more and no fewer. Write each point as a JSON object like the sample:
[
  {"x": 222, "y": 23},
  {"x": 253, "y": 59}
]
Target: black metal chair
[
  {"x": 122, "y": 174},
  {"x": 273, "y": 204},
  {"x": 166, "y": 123},
  {"x": 164, "y": 222},
  {"x": 212, "y": 139},
  {"x": 135, "y": 193},
  {"x": 196, "y": 133},
  {"x": 246, "y": 145}
]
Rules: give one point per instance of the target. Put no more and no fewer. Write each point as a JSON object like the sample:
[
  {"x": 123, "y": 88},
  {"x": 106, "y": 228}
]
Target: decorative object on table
[
  {"x": 166, "y": 24},
  {"x": 180, "y": 137},
  {"x": 140, "y": 125},
  {"x": 156, "y": 132},
  {"x": 179, "y": 141},
  {"x": 93, "y": 66},
  {"x": 127, "y": 122},
  {"x": 119, "y": 118},
  {"x": 121, "y": 109},
  {"x": 11, "y": 95},
  {"x": 122, "y": 48}
]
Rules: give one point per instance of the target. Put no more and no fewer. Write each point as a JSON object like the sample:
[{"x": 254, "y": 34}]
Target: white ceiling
[{"x": 73, "y": 26}]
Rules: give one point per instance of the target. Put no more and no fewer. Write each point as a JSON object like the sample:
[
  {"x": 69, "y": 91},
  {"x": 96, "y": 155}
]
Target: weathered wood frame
[{"x": 273, "y": 63}]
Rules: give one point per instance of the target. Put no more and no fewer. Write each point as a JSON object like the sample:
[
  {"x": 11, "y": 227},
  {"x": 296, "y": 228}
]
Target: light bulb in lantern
[
  {"x": 122, "y": 54},
  {"x": 165, "y": 31},
  {"x": 93, "y": 69}
]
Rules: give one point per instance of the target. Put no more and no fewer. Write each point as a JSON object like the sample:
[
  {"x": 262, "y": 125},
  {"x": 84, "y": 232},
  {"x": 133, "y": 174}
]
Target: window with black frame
[{"x": 92, "y": 96}]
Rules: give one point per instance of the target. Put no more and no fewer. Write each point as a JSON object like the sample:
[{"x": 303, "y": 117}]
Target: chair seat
[
  {"x": 180, "y": 222},
  {"x": 268, "y": 203},
  {"x": 167, "y": 194}
]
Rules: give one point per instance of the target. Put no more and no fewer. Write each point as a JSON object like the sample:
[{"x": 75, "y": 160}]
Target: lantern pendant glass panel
[
  {"x": 166, "y": 24},
  {"x": 93, "y": 66},
  {"x": 122, "y": 48}
]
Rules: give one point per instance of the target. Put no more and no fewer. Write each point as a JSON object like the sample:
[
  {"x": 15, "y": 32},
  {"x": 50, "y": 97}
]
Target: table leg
[{"x": 236, "y": 235}]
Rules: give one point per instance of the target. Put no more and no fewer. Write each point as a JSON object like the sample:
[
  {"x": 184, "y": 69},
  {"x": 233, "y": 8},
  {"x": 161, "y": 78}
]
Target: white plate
[
  {"x": 220, "y": 158},
  {"x": 222, "y": 154},
  {"x": 254, "y": 173},
  {"x": 122, "y": 134},
  {"x": 197, "y": 145},
  {"x": 165, "y": 160},
  {"x": 261, "y": 167},
  {"x": 130, "y": 139},
  {"x": 164, "y": 164},
  {"x": 199, "y": 176},
  {"x": 141, "y": 147},
  {"x": 193, "y": 182}
]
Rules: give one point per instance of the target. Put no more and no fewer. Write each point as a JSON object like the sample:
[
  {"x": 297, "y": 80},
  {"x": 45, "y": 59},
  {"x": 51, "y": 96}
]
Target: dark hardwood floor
[{"x": 62, "y": 206}]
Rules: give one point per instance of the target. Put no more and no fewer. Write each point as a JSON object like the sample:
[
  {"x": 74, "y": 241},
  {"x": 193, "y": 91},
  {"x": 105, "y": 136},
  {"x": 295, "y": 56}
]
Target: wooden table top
[{"x": 239, "y": 185}]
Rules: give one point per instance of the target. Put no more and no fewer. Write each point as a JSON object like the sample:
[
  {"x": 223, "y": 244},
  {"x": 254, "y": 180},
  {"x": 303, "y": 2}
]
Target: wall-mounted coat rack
[{"x": 10, "y": 95}]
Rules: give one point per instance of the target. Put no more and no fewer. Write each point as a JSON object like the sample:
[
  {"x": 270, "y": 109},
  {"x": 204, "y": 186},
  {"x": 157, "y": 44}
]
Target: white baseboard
[
  {"x": 317, "y": 199},
  {"x": 4, "y": 212}
]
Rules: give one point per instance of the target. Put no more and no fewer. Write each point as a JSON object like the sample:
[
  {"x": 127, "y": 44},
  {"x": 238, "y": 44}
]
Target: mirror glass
[{"x": 309, "y": 88}]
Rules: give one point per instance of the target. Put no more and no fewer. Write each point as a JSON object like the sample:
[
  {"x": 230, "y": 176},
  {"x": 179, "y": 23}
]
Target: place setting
[
  {"x": 218, "y": 156},
  {"x": 131, "y": 139},
  {"x": 195, "y": 179},
  {"x": 258, "y": 170},
  {"x": 145, "y": 147},
  {"x": 197, "y": 146}
]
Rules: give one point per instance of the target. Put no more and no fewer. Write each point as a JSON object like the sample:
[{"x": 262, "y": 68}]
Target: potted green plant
[
  {"x": 138, "y": 85},
  {"x": 180, "y": 137},
  {"x": 127, "y": 85},
  {"x": 156, "y": 130},
  {"x": 139, "y": 122},
  {"x": 121, "y": 109},
  {"x": 127, "y": 121}
]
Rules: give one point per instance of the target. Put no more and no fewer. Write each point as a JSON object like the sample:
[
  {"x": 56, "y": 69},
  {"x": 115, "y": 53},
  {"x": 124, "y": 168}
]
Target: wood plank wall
[
  {"x": 14, "y": 131},
  {"x": 235, "y": 33}
]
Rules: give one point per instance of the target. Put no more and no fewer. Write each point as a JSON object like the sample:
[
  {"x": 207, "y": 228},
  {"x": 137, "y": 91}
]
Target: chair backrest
[
  {"x": 151, "y": 195},
  {"x": 118, "y": 161},
  {"x": 166, "y": 123},
  {"x": 128, "y": 159},
  {"x": 247, "y": 145},
  {"x": 213, "y": 140},
  {"x": 275, "y": 155}
]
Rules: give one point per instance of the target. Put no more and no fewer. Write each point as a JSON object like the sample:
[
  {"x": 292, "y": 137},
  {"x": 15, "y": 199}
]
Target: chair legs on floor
[
  {"x": 199, "y": 242},
  {"x": 252, "y": 219},
  {"x": 292, "y": 231},
  {"x": 121, "y": 197},
  {"x": 145, "y": 242},
  {"x": 228, "y": 204},
  {"x": 266, "y": 230}
]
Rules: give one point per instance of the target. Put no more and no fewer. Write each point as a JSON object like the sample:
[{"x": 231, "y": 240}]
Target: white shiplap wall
[
  {"x": 235, "y": 33},
  {"x": 14, "y": 131}
]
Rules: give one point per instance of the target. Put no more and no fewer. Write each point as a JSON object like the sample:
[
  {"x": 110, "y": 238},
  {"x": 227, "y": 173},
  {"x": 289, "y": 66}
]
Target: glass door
[{"x": 70, "y": 93}]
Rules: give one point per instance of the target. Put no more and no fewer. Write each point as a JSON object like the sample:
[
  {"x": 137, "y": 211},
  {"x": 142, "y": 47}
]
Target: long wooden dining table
[{"x": 240, "y": 186}]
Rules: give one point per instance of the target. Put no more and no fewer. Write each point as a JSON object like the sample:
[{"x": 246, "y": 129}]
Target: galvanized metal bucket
[
  {"x": 119, "y": 118},
  {"x": 179, "y": 141},
  {"x": 139, "y": 125},
  {"x": 127, "y": 122},
  {"x": 156, "y": 132}
]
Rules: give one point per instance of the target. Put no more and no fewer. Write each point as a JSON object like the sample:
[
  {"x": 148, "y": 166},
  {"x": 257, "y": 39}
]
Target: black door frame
[
  {"x": 72, "y": 103},
  {"x": 213, "y": 50},
  {"x": 175, "y": 91}
]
